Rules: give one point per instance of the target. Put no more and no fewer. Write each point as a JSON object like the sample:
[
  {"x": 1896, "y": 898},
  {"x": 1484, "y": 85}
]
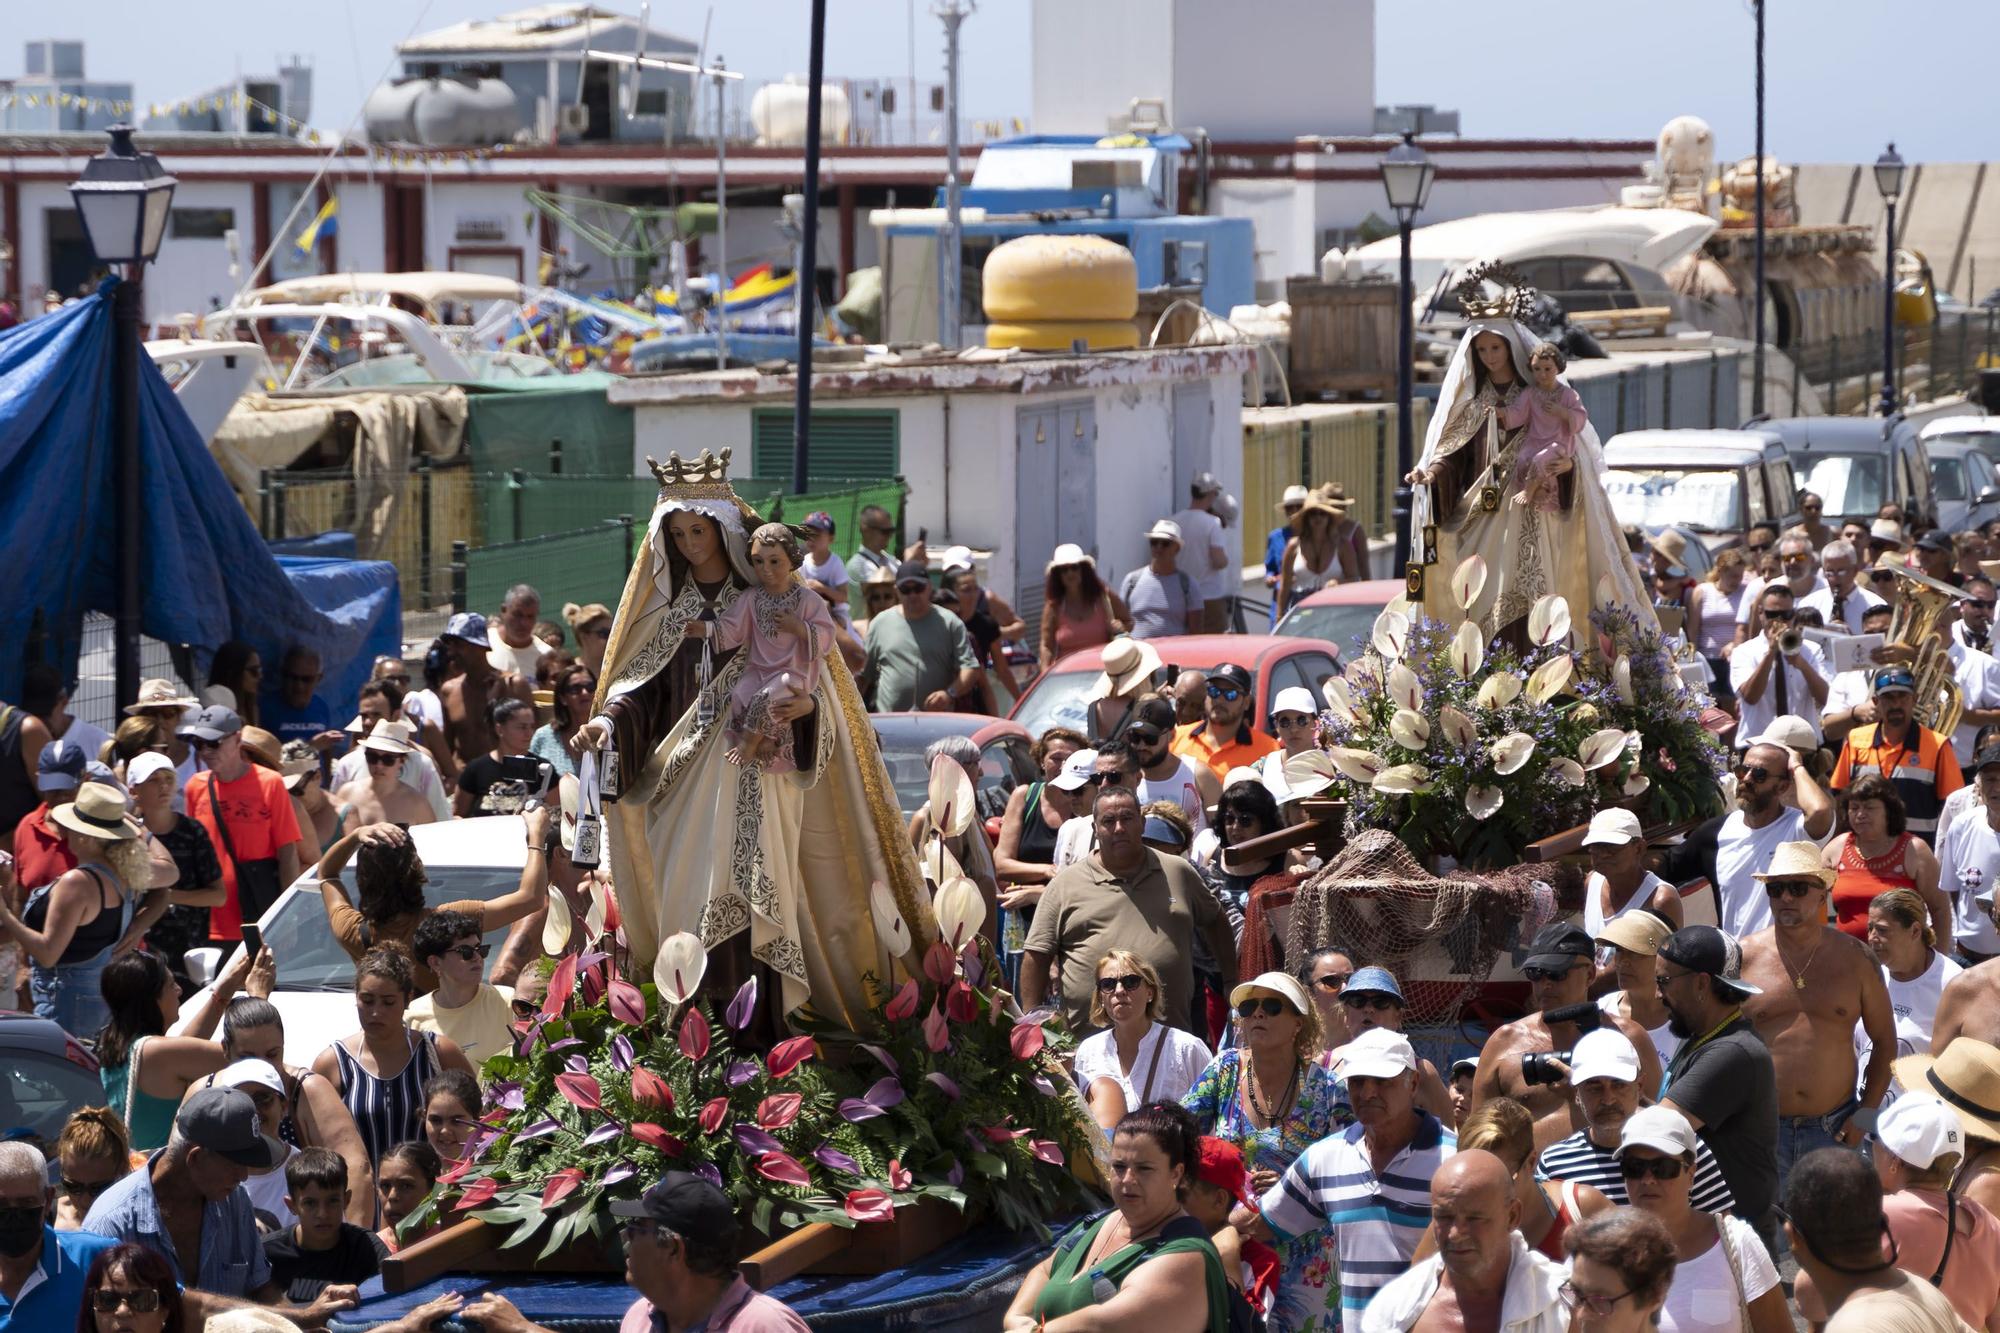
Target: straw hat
[
  {"x": 1966, "y": 1078},
  {"x": 160, "y": 693},
  {"x": 1671, "y": 543},
  {"x": 1295, "y": 494},
  {"x": 388, "y": 737},
  {"x": 1891, "y": 560},
  {"x": 97, "y": 812},
  {"x": 1797, "y": 860},
  {"x": 1128, "y": 665},
  {"x": 263, "y": 748},
  {"x": 1319, "y": 502},
  {"x": 298, "y": 761},
  {"x": 1069, "y": 553}
]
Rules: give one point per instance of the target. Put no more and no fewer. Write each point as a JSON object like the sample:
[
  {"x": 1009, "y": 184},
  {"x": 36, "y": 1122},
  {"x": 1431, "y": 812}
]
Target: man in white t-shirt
[
  {"x": 1770, "y": 684},
  {"x": 1969, "y": 864},
  {"x": 1769, "y": 779},
  {"x": 1978, "y": 677},
  {"x": 1850, "y": 696},
  {"x": 1795, "y": 558},
  {"x": 516, "y": 647},
  {"x": 1842, "y": 601},
  {"x": 1619, "y": 881},
  {"x": 1204, "y": 557},
  {"x": 1163, "y": 774}
]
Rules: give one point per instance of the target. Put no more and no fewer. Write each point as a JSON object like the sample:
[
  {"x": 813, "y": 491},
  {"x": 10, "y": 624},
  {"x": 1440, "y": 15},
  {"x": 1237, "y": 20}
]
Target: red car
[
  {"x": 1057, "y": 697},
  {"x": 1340, "y": 614}
]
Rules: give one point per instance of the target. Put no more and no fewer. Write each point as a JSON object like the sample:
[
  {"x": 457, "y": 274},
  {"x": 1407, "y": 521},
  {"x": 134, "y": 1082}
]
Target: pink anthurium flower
[
  {"x": 560, "y": 1185},
  {"x": 904, "y": 1004},
  {"x": 628, "y": 1004},
  {"x": 869, "y": 1206},
  {"x": 694, "y": 1035},
  {"x": 1047, "y": 1150},
  {"x": 1027, "y": 1040},
  {"x": 647, "y": 1132},
  {"x": 713, "y": 1114},
  {"x": 775, "y": 1112},
  {"x": 783, "y": 1168},
  {"x": 580, "y": 1090},
  {"x": 789, "y": 1055},
  {"x": 937, "y": 1033},
  {"x": 649, "y": 1089},
  {"x": 899, "y": 1176},
  {"x": 480, "y": 1192}
]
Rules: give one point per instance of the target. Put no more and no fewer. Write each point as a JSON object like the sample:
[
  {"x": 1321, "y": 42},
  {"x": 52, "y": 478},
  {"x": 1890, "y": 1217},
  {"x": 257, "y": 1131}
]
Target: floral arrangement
[
  {"x": 613, "y": 1083},
  {"x": 1471, "y": 750}
]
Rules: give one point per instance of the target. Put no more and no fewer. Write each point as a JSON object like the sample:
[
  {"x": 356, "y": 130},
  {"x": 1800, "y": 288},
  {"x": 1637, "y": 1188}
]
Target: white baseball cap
[
  {"x": 1076, "y": 772},
  {"x": 146, "y": 764},
  {"x": 1376, "y": 1053},
  {"x": 1919, "y": 1130},
  {"x": 1613, "y": 827},
  {"x": 1294, "y": 699},
  {"x": 1661, "y": 1128},
  {"x": 1605, "y": 1053},
  {"x": 244, "y": 1073}
]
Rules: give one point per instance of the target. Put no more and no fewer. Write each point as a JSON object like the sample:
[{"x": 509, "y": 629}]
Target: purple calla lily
[
  {"x": 709, "y": 1173},
  {"x": 743, "y": 1007},
  {"x": 755, "y": 1141},
  {"x": 1043, "y": 1086},
  {"x": 956, "y": 1176},
  {"x": 507, "y": 1095},
  {"x": 888, "y": 1061},
  {"x": 591, "y": 960},
  {"x": 944, "y": 1084},
  {"x": 884, "y": 1094},
  {"x": 622, "y": 1171},
  {"x": 565, "y": 1043},
  {"x": 540, "y": 1129},
  {"x": 856, "y": 1110},
  {"x": 740, "y": 1072},
  {"x": 829, "y": 1156},
  {"x": 576, "y": 1064},
  {"x": 604, "y": 1133},
  {"x": 971, "y": 964},
  {"x": 621, "y": 1053}
]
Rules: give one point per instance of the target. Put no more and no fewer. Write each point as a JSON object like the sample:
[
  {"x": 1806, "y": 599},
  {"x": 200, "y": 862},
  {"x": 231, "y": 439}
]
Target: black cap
[
  {"x": 1987, "y": 757},
  {"x": 1156, "y": 712},
  {"x": 224, "y": 1121},
  {"x": 1934, "y": 540},
  {"x": 686, "y": 1205},
  {"x": 912, "y": 571},
  {"x": 1559, "y": 946},
  {"x": 1708, "y": 950},
  {"x": 212, "y": 723},
  {"x": 1230, "y": 673}
]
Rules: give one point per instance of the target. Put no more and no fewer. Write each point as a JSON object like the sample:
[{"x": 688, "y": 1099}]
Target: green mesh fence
[{"x": 587, "y": 565}]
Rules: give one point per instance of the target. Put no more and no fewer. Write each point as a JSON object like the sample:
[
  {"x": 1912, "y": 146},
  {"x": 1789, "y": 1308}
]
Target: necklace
[
  {"x": 1798, "y": 977},
  {"x": 1257, "y": 1106}
]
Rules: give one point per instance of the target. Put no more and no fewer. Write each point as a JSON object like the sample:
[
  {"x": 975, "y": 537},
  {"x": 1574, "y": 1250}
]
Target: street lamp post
[
  {"x": 1889, "y": 180},
  {"x": 122, "y": 198},
  {"x": 1406, "y": 177}
]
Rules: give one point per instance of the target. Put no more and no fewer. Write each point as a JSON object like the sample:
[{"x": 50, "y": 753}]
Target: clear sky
[{"x": 1845, "y": 76}]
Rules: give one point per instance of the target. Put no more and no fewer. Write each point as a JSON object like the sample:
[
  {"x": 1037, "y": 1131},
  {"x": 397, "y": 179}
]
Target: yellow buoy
[
  {"x": 1058, "y": 335},
  {"x": 1031, "y": 279}
]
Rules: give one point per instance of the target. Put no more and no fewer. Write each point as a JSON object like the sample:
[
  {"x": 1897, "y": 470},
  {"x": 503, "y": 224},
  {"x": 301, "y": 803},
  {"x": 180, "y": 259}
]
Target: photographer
[
  {"x": 1604, "y": 1070},
  {"x": 1766, "y": 691},
  {"x": 1514, "y": 1064}
]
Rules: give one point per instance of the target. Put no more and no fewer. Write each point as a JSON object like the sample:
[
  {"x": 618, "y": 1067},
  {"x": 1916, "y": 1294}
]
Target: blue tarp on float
[{"x": 207, "y": 574}]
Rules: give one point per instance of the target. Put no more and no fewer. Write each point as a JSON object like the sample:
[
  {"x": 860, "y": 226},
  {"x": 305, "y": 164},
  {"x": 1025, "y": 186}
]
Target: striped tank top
[{"x": 388, "y": 1111}]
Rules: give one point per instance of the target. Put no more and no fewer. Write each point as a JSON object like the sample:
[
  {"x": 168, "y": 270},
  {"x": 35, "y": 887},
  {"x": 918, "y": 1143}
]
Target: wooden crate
[{"x": 1343, "y": 337}]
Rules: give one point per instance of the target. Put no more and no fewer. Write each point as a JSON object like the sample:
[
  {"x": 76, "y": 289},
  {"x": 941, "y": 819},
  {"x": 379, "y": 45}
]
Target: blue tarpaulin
[{"x": 207, "y": 575}]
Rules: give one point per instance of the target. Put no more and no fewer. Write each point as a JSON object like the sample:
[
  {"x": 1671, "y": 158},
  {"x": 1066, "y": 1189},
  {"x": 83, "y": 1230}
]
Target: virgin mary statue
[
  {"x": 1465, "y": 484},
  {"x": 772, "y": 871}
]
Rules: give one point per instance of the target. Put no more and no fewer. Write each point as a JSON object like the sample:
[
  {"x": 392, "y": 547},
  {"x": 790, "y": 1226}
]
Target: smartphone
[
  {"x": 253, "y": 939},
  {"x": 923, "y": 534}
]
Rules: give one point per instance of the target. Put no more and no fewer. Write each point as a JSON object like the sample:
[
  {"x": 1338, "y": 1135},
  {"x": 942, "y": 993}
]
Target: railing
[{"x": 1353, "y": 444}]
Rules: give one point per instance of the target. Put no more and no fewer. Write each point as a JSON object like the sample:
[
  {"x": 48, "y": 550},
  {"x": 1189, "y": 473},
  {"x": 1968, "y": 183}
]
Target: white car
[{"x": 463, "y": 858}]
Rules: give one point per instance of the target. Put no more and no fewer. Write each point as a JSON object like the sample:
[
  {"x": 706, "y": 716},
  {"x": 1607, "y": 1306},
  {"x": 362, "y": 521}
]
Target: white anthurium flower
[
  {"x": 959, "y": 910},
  {"x": 1391, "y": 634},
  {"x": 1363, "y": 673},
  {"x": 679, "y": 966},
  {"x": 1405, "y": 688},
  {"x": 597, "y": 912},
  {"x": 1550, "y": 678},
  {"x": 556, "y": 924},
  {"x": 1400, "y": 604},
  {"x": 1637, "y": 783},
  {"x": 1621, "y": 678},
  {"x": 1409, "y": 729},
  {"x": 1460, "y": 729},
  {"x": 951, "y": 797},
  {"x": 1401, "y": 780},
  {"x": 1483, "y": 802},
  {"x": 1728, "y": 784},
  {"x": 1568, "y": 770},
  {"x": 1585, "y": 713},
  {"x": 1468, "y": 581},
  {"x": 1548, "y": 620},
  {"x": 1512, "y": 751},
  {"x": 1600, "y": 748},
  {"x": 1634, "y": 742},
  {"x": 1339, "y": 698},
  {"x": 1356, "y": 765},
  {"x": 1607, "y": 589},
  {"x": 1501, "y": 688},
  {"x": 890, "y": 928},
  {"x": 1468, "y": 650}
]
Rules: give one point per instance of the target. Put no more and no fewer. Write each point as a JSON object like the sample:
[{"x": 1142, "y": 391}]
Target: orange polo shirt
[{"x": 1195, "y": 741}]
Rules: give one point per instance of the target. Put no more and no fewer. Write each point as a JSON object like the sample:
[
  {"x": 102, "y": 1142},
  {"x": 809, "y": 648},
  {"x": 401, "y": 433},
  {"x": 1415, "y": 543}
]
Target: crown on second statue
[
  {"x": 707, "y": 477},
  {"x": 1516, "y": 298}
]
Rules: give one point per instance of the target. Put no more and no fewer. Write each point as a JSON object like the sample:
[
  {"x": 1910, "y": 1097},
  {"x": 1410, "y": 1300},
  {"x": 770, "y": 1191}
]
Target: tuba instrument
[{"x": 1918, "y": 624}]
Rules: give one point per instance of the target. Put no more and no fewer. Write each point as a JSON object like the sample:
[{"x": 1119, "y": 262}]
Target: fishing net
[{"x": 1440, "y": 936}]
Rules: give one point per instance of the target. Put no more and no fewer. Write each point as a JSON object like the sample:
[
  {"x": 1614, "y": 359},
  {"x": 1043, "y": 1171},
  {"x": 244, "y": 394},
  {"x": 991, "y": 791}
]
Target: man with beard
[
  {"x": 1163, "y": 774},
  {"x": 1777, "y": 802},
  {"x": 1224, "y": 739},
  {"x": 1558, "y": 969},
  {"x": 1917, "y": 761},
  {"x": 1721, "y": 1078},
  {"x": 469, "y": 697},
  {"x": 1373, "y": 999},
  {"x": 1370, "y": 1183},
  {"x": 1605, "y": 1075},
  {"x": 1815, "y": 982},
  {"x": 1974, "y": 626}
]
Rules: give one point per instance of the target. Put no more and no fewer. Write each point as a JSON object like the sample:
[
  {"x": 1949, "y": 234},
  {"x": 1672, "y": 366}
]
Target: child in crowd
[
  {"x": 1461, "y": 1090},
  {"x": 1220, "y": 1183},
  {"x": 404, "y": 1178},
  {"x": 321, "y": 1249},
  {"x": 451, "y": 1112}
]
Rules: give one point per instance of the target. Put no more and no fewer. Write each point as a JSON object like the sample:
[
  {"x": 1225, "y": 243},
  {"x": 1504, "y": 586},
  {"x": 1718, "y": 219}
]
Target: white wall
[
  {"x": 363, "y": 247},
  {"x": 1272, "y": 69},
  {"x": 1092, "y": 57},
  {"x": 1281, "y": 211},
  {"x": 190, "y": 274}
]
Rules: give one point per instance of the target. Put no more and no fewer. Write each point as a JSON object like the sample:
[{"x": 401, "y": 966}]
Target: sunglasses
[
  {"x": 524, "y": 1008},
  {"x": 468, "y": 952},
  {"x": 1226, "y": 693},
  {"x": 1778, "y": 613},
  {"x": 400, "y": 678},
  {"x": 1106, "y": 985},
  {"x": 86, "y": 1186},
  {"x": 578, "y": 687},
  {"x": 1333, "y": 981},
  {"x": 107, "y": 1301},
  {"x": 1269, "y": 1006},
  {"x": 1595, "y": 1302},
  {"x": 1882, "y": 576},
  {"x": 1143, "y": 736},
  {"x": 379, "y": 759},
  {"x": 1759, "y": 550},
  {"x": 1754, "y": 773},
  {"x": 1789, "y": 888},
  {"x": 1545, "y": 973},
  {"x": 910, "y": 589},
  {"x": 1101, "y": 779},
  {"x": 1370, "y": 1000},
  {"x": 200, "y": 744},
  {"x": 1979, "y": 603},
  {"x": 1158, "y": 542},
  {"x": 1659, "y": 1168}
]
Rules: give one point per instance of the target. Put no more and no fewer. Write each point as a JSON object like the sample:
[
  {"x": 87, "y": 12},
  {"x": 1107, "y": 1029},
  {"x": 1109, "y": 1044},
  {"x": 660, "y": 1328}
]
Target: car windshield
[
  {"x": 39, "y": 1089},
  {"x": 1338, "y": 625},
  {"x": 1057, "y": 700},
  {"x": 1704, "y": 499},
  {"x": 1848, "y": 483},
  {"x": 309, "y": 957},
  {"x": 903, "y": 742},
  {"x": 1947, "y": 478}
]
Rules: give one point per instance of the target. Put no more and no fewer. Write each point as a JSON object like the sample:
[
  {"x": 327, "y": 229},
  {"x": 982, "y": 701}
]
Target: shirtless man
[
  {"x": 1970, "y": 1005},
  {"x": 380, "y": 796},
  {"x": 1558, "y": 969},
  {"x": 1619, "y": 882},
  {"x": 1817, "y": 982},
  {"x": 467, "y": 697}
]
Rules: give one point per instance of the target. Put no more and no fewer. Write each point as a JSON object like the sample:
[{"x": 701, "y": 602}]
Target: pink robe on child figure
[
  {"x": 778, "y": 668},
  {"x": 1552, "y": 431}
]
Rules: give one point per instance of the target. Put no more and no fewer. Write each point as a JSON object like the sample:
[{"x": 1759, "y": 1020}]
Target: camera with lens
[
  {"x": 1790, "y": 641},
  {"x": 1539, "y": 1068}
]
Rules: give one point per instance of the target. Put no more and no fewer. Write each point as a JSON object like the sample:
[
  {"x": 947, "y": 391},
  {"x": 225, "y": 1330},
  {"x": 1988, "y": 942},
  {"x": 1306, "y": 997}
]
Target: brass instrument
[{"x": 1917, "y": 624}]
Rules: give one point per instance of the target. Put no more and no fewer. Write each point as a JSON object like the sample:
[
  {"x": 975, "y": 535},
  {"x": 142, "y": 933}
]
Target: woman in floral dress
[{"x": 1268, "y": 1097}]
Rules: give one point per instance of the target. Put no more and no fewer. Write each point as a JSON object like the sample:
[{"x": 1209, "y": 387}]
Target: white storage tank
[
  {"x": 778, "y": 112},
  {"x": 442, "y": 112}
]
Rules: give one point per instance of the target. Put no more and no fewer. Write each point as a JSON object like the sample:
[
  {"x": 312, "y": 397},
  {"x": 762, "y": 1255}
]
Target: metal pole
[
  {"x": 1889, "y": 312},
  {"x": 128, "y": 607},
  {"x": 951, "y": 280},
  {"x": 1405, "y": 380},
  {"x": 806, "y": 279},
  {"x": 722, "y": 222},
  {"x": 1757, "y": 356}
]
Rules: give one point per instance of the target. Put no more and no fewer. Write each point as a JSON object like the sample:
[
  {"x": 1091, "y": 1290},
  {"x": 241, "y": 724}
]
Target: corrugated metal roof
[{"x": 553, "y": 27}]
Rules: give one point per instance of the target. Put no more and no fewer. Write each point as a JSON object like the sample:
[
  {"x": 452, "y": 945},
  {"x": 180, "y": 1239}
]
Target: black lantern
[{"x": 123, "y": 197}]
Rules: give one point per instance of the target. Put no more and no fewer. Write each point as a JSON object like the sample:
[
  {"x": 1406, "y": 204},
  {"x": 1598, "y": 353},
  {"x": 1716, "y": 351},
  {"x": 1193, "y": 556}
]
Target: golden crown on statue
[
  {"x": 1516, "y": 298},
  {"x": 707, "y": 477}
]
